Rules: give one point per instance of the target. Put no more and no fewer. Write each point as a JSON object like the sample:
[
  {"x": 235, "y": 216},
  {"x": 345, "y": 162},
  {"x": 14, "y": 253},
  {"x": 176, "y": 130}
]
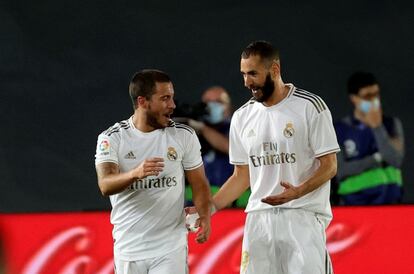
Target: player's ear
[
  {"x": 142, "y": 102},
  {"x": 275, "y": 68}
]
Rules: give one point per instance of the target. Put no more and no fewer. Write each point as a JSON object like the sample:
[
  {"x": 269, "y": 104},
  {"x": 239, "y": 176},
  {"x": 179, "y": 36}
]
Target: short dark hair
[
  {"x": 360, "y": 79},
  {"x": 143, "y": 83},
  {"x": 261, "y": 48}
]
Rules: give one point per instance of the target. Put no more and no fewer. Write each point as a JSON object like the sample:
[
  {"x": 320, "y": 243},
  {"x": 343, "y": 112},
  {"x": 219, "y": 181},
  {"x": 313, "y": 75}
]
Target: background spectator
[
  {"x": 372, "y": 147},
  {"x": 213, "y": 130}
]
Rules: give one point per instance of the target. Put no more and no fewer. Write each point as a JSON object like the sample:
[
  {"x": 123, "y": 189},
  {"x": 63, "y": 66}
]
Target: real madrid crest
[
  {"x": 172, "y": 154},
  {"x": 289, "y": 130}
]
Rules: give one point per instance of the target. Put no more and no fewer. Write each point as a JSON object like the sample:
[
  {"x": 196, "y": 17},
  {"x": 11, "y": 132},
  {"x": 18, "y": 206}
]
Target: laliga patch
[
  {"x": 104, "y": 147},
  {"x": 172, "y": 154},
  {"x": 289, "y": 130}
]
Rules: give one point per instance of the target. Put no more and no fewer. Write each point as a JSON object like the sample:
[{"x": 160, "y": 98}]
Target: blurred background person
[
  {"x": 372, "y": 147},
  {"x": 211, "y": 120},
  {"x": 213, "y": 130}
]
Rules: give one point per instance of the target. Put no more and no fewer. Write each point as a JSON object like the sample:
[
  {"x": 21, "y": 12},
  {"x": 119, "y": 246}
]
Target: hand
[
  {"x": 373, "y": 118},
  {"x": 204, "y": 232},
  {"x": 289, "y": 193},
  {"x": 203, "y": 223},
  {"x": 192, "y": 210},
  {"x": 150, "y": 167}
]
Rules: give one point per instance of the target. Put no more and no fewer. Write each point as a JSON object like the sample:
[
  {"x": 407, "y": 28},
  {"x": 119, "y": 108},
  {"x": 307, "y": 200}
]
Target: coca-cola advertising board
[{"x": 360, "y": 240}]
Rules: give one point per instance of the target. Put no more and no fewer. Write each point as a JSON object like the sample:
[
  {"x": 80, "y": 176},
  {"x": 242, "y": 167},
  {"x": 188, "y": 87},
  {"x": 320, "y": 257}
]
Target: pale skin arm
[
  {"x": 233, "y": 188},
  {"x": 325, "y": 172},
  {"x": 216, "y": 139},
  {"x": 202, "y": 201},
  {"x": 112, "y": 181}
]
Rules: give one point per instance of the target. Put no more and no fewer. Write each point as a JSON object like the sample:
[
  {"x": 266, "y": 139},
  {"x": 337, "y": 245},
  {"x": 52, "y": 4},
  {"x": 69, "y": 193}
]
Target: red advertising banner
[{"x": 360, "y": 240}]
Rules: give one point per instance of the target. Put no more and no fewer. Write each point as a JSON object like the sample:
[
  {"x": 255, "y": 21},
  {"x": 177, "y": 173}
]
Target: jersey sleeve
[
  {"x": 192, "y": 152},
  {"x": 322, "y": 133},
  {"x": 106, "y": 149},
  {"x": 237, "y": 153}
]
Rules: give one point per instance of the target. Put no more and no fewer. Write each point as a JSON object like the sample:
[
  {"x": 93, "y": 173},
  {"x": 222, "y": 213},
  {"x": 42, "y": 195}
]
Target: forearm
[
  {"x": 354, "y": 167},
  {"x": 202, "y": 199},
  {"x": 115, "y": 183},
  {"x": 390, "y": 154},
  {"x": 234, "y": 187},
  {"x": 112, "y": 181},
  {"x": 216, "y": 139},
  {"x": 201, "y": 190},
  {"x": 324, "y": 173}
]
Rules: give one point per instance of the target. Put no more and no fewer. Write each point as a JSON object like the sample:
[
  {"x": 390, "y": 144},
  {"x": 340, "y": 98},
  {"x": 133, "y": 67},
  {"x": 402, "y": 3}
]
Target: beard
[
  {"x": 152, "y": 120},
  {"x": 266, "y": 90}
]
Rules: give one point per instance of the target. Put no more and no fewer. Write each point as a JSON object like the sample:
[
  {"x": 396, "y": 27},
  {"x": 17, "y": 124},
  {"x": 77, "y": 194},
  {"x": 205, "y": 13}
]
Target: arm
[
  {"x": 216, "y": 139},
  {"x": 234, "y": 187},
  {"x": 325, "y": 172},
  {"x": 354, "y": 167},
  {"x": 112, "y": 181},
  {"x": 202, "y": 201},
  {"x": 390, "y": 148},
  {"x": 201, "y": 190}
]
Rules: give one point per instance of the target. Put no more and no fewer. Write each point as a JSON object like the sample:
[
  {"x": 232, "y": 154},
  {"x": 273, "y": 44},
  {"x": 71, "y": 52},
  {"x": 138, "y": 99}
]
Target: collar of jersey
[
  {"x": 141, "y": 133},
  {"x": 291, "y": 90}
]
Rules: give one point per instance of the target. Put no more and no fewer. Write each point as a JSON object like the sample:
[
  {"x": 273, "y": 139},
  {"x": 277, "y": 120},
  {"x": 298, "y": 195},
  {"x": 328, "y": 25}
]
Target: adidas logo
[
  {"x": 251, "y": 133},
  {"x": 130, "y": 155}
]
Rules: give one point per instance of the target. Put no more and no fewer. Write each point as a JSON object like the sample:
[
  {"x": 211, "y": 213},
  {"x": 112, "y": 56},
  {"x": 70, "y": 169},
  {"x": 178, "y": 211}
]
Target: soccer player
[
  {"x": 283, "y": 146},
  {"x": 141, "y": 163}
]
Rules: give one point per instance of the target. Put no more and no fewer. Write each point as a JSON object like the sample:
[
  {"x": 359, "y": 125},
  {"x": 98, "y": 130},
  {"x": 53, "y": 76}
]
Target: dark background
[{"x": 65, "y": 68}]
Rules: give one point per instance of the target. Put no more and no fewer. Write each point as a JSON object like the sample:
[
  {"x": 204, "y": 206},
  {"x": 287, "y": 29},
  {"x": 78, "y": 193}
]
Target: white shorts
[
  {"x": 284, "y": 241},
  {"x": 173, "y": 262}
]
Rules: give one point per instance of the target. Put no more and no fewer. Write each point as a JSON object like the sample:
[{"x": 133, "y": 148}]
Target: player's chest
[
  {"x": 133, "y": 152},
  {"x": 274, "y": 130}
]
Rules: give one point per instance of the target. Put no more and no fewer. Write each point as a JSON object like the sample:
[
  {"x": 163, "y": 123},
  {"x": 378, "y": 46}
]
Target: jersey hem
[
  {"x": 239, "y": 163},
  {"x": 106, "y": 161},
  {"x": 327, "y": 152},
  {"x": 194, "y": 167}
]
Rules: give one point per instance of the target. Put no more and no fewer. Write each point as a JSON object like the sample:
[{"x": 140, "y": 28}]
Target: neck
[
  {"x": 279, "y": 93},
  {"x": 139, "y": 120}
]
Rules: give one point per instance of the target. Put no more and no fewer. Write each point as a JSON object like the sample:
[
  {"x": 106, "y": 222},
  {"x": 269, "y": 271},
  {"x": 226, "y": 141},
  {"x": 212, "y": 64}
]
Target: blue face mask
[
  {"x": 365, "y": 106},
  {"x": 216, "y": 112}
]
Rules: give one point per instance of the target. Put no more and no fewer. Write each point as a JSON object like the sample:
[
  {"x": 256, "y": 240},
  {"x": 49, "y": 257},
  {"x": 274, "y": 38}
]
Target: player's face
[
  {"x": 257, "y": 78},
  {"x": 161, "y": 105}
]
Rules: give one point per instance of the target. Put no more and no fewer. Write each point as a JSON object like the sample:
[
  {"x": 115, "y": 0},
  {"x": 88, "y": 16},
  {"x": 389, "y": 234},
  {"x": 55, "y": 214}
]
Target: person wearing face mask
[
  {"x": 214, "y": 136},
  {"x": 372, "y": 146}
]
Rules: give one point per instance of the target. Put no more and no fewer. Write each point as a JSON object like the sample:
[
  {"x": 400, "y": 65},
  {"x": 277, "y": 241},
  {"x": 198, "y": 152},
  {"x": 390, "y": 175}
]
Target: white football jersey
[
  {"x": 148, "y": 216},
  {"x": 281, "y": 143}
]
